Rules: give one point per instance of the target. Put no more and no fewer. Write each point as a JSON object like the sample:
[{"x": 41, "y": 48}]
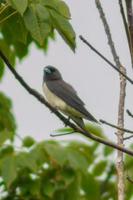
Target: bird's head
[{"x": 51, "y": 73}]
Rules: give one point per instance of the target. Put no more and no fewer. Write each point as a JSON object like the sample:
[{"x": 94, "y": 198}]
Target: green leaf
[
  {"x": 73, "y": 190},
  {"x": 56, "y": 152},
  {"x": 7, "y": 121},
  {"x": 107, "y": 151},
  {"x": 19, "y": 5},
  {"x": 8, "y": 169},
  {"x": 24, "y": 160},
  {"x": 28, "y": 141},
  {"x": 2, "y": 69},
  {"x": 91, "y": 187},
  {"x": 95, "y": 129},
  {"x": 100, "y": 168},
  {"x": 63, "y": 9},
  {"x": 7, "y": 51},
  {"x": 64, "y": 28},
  {"x": 38, "y": 28},
  {"x": 42, "y": 13},
  {"x": 49, "y": 188},
  {"x": 59, "y": 6},
  {"x": 77, "y": 160},
  {"x": 5, "y": 135}
]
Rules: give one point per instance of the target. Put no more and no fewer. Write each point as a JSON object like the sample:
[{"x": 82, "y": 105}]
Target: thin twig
[
  {"x": 120, "y": 133},
  {"x": 130, "y": 25},
  {"x": 114, "y": 126},
  {"x": 41, "y": 99},
  {"x": 129, "y": 113},
  {"x": 126, "y": 30},
  {"x": 104, "y": 58},
  {"x": 129, "y": 179},
  {"x": 129, "y": 137},
  {"x": 61, "y": 134}
]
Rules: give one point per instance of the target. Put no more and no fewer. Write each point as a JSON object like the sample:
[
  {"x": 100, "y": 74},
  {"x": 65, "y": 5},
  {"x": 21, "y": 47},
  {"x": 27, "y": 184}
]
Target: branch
[
  {"x": 120, "y": 133},
  {"x": 126, "y": 30},
  {"x": 129, "y": 179},
  {"x": 58, "y": 114},
  {"x": 129, "y": 113},
  {"x": 104, "y": 58},
  {"x": 117, "y": 127},
  {"x": 129, "y": 137}
]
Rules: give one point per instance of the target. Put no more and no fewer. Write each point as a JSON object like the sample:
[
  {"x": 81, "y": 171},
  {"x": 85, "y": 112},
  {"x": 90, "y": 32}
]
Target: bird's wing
[{"x": 67, "y": 93}]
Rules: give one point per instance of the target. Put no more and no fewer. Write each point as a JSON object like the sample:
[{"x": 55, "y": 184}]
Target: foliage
[
  {"x": 7, "y": 121},
  {"x": 25, "y": 22}
]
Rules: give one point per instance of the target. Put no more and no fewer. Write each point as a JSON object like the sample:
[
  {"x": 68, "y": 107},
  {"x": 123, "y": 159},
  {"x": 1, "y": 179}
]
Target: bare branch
[
  {"x": 114, "y": 126},
  {"x": 129, "y": 179},
  {"x": 129, "y": 137},
  {"x": 104, "y": 58},
  {"x": 129, "y": 113},
  {"x": 41, "y": 99},
  {"x": 127, "y": 30},
  {"x": 120, "y": 133}
]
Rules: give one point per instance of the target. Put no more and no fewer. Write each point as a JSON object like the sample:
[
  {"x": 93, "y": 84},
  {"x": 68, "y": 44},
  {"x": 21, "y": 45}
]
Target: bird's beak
[{"x": 47, "y": 70}]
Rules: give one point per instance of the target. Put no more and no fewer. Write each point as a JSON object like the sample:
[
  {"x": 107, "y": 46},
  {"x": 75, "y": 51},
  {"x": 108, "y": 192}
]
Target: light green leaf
[
  {"x": 9, "y": 171},
  {"x": 95, "y": 129},
  {"x": 19, "y": 5},
  {"x": 5, "y": 135},
  {"x": 38, "y": 29},
  {"x": 24, "y": 160},
  {"x": 56, "y": 152},
  {"x": 42, "y": 13},
  {"x": 59, "y": 6},
  {"x": 63, "y": 9},
  {"x": 64, "y": 28}
]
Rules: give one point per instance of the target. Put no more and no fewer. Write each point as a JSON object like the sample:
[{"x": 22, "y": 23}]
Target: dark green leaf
[
  {"x": 2, "y": 69},
  {"x": 107, "y": 151},
  {"x": 91, "y": 187},
  {"x": 100, "y": 168},
  {"x": 28, "y": 141},
  {"x": 49, "y": 188}
]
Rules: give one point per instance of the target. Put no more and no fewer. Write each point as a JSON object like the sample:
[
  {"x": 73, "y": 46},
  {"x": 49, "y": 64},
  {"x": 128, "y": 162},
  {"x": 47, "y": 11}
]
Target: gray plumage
[{"x": 62, "y": 96}]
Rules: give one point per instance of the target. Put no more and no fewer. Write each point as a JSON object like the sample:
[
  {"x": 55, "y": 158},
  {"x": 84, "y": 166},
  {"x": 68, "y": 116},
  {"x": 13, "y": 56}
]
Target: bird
[{"x": 63, "y": 97}]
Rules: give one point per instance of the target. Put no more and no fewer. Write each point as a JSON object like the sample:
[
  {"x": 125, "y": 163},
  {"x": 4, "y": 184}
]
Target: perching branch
[
  {"x": 117, "y": 127},
  {"x": 40, "y": 98},
  {"x": 120, "y": 133},
  {"x": 104, "y": 58}
]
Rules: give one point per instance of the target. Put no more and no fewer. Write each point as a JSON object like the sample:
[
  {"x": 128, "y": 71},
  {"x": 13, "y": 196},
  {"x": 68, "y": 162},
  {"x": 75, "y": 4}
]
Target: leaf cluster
[{"x": 34, "y": 21}]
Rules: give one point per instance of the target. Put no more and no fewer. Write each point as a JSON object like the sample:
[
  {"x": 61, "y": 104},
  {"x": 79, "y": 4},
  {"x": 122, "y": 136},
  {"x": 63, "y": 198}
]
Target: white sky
[{"x": 97, "y": 84}]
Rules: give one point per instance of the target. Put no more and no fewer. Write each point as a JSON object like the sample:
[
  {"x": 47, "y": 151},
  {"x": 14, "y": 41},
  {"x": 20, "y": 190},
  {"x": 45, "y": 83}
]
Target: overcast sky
[{"x": 96, "y": 83}]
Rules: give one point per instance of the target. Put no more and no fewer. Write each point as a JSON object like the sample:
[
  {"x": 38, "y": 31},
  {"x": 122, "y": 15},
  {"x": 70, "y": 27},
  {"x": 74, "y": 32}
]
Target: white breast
[{"x": 53, "y": 99}]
